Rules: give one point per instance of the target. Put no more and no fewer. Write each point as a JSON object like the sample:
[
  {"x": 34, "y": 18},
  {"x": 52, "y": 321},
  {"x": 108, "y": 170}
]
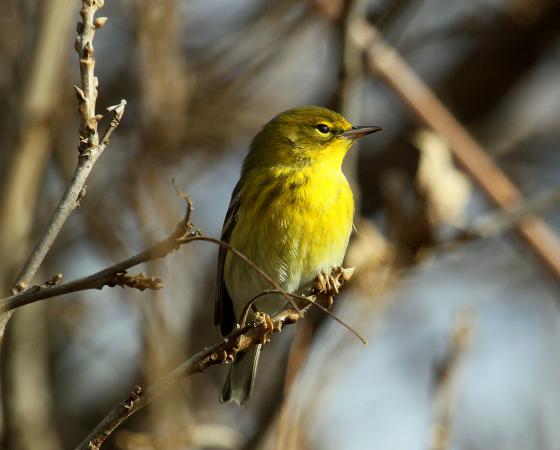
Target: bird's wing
[{"x": 224, "y": 315}]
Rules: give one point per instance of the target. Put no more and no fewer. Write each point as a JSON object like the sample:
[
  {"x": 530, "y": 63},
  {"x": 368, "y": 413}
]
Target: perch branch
[{"x": 240, "y": 340}]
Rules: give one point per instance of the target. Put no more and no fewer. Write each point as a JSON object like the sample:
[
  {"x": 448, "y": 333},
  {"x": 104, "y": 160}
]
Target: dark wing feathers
[{"x": 224, "y": 315}]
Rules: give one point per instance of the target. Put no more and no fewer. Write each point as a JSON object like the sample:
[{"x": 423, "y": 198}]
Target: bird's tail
[{"x": 240, "y": 377}]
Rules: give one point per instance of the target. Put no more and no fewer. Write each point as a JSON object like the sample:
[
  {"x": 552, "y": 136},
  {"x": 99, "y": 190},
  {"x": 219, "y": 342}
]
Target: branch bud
[
  {"x": 79, "y": 93},
  {"x": 100, "y": 22}
]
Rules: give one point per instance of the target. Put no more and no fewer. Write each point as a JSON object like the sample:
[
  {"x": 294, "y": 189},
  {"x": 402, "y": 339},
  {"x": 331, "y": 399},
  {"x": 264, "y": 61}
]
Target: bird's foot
[
  {"x": 264, "y": 320},
  {"x": 329, "y": 283}
]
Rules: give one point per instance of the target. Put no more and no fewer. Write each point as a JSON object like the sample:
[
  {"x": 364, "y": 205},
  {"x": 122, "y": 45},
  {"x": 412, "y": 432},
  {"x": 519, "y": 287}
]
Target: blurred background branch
[
  {"x": 446, "y": 381},
  {"x": 386, "y": 61}
]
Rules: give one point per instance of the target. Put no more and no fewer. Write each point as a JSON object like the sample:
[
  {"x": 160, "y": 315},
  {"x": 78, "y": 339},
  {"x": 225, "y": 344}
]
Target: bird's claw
[
  {"x": 267, "y": 324},
  {"x": 329, "y": 283}
]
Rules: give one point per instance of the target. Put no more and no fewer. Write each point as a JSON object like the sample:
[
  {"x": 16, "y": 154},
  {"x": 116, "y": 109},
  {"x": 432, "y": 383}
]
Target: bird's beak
[{"x": 359, "y": 132}]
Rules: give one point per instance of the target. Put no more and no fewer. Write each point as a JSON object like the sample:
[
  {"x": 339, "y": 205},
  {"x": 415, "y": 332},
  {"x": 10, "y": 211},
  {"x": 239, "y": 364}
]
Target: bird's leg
[{"x": 264, "y": 320}]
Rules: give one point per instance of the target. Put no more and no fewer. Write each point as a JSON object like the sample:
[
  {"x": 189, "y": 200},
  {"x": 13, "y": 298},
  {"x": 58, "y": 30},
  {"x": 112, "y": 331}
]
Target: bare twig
[
  {"x": 385, "y": 61},
  {"x": 25, "y": 154},
  {"x": 262, "y": 273},
  {"x": 140, "y": 282},
  {"x": 224, "y": 352},
  {"x": 90, "y": 149},
  {"x": 306, "y": 299},
  {"x": 70, "y": 200},
  {"x": 115, "y": 275}
]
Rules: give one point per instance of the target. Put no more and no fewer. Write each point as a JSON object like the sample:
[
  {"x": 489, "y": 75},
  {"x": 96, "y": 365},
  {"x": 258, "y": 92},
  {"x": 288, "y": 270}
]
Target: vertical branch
[
  {"x": 88, "y": 142},
  {"x": 25, "y": 154},
  {"x": 87, "y": 95},
  {"x": 90, "y": 146},
  {"x": 26, "y": 405}
]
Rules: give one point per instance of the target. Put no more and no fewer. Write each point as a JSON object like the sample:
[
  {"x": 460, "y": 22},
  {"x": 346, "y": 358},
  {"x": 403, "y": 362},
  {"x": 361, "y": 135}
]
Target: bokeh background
[{"x": 463, "y": 333}]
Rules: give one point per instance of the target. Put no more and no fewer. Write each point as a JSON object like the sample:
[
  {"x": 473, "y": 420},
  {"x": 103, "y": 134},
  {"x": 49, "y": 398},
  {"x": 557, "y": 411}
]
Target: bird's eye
[{"x": 322, "y": 128}]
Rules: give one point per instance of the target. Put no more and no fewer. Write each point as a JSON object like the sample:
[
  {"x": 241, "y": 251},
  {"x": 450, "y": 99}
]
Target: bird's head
[{"x": 306, "y": 135}]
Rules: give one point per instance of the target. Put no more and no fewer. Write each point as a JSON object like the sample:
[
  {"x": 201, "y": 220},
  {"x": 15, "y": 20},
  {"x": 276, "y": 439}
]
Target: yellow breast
[{"x": 293, "y": 223}]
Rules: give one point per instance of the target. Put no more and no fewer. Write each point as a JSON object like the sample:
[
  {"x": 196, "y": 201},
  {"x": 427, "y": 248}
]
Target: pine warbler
[{"x": 290, "y": 213}]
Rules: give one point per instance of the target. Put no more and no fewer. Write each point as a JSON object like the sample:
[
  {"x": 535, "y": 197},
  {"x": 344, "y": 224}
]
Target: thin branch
[
  {"x": 110, "y": 275},
  {"x": 115, "y": 275},
  {"x": 228, "y": 247},
  {"x": 89, "y": 148},
  {"x": 140, "y": 282},
  {"x": 28, "y": 140},
  {"x": 307, "y": 299},
  {"x": 261, "y": 272},
  {"x": 255, "y": 332},
  {"x": 70, "y": 200}
]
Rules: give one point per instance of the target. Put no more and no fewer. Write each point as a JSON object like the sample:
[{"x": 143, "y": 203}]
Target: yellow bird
[{"x": 290, "y": 213}]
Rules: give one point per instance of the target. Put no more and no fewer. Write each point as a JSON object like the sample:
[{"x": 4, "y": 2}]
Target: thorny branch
[
  {"x": 90, "y": 148},
  {"x": 257, "y": 331}
]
